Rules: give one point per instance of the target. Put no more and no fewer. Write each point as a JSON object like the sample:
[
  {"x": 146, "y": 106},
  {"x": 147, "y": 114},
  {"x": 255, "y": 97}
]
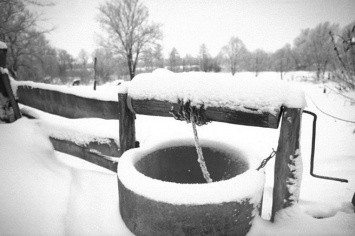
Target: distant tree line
[{"x": 133, "y": 45}]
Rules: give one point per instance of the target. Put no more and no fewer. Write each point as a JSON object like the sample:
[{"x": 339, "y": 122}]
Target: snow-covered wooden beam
[
  {"x": 252, "y": 117},
  {"x": 95, "y": 149},
  {"x": 288, "y": 162},
  {"x": 65, "y": 104},
  {"x": 229, "y": 99},
  {"x": 93, "y": 152}
]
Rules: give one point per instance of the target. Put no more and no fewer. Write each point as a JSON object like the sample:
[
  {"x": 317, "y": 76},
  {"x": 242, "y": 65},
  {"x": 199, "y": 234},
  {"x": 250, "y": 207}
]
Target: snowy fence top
[
  {"x": 217, "y": 90},
  {"x": 74, "y": 102},
  {"x": 104, "y": 93}
]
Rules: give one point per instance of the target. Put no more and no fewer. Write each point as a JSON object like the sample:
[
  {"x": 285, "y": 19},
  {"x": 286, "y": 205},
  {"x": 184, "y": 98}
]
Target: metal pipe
[{"x": 313, "y": 151}]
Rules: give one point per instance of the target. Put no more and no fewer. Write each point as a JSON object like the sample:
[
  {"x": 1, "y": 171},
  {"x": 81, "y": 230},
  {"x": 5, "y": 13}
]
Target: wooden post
[
  {"x": 127, "y": 124},
  {"x": 5, "y": 85},
  {"x": 288, "y": 162},
  {"x": 3, "y": 52},
  {"x": 95, "y": 62}
]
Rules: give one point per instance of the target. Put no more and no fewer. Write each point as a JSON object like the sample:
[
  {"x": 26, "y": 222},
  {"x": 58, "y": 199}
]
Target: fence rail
[
  {"x": 72, "y": 106},
  {"x": 66, "y": 105}
]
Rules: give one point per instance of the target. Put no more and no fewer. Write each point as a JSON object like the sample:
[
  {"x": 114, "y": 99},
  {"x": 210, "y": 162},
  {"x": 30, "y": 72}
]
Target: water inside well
[{"x": 179, "y": 165}]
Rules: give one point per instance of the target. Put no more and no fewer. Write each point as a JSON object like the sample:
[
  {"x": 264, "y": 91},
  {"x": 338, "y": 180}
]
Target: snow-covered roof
[{"x": 216, "y": 90}]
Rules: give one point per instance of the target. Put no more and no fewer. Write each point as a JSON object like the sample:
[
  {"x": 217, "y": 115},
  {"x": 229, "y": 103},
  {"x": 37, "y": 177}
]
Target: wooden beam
[
  {"x": 288, "y": 162},
  {"x": 67, "y": 105},
  {"x": 251, "y": 117},
  {"x": 86, "y": 153},
  {"x": 127, "y": 130},
  {"x": 94, "y": 152}
]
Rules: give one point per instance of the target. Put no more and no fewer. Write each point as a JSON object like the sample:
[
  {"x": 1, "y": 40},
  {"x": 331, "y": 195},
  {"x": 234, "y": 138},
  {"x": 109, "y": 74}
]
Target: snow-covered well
[
  {"x": 162, "y": 190},
  {"x": 249, "y": 183}
]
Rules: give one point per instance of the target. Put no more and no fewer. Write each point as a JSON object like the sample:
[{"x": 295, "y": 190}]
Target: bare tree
[
  {"x": 83, "y": 57},
  {"x": 65, "y": 63},
  {"x": 128, "y": 29},
  {"x": 109, "y": 67},
  {"x": 190, "y": 63},
  {"x": 232, "y": 53},
  {"x": 174, "y": 60},
  {"x": 344, "y": 48},
  {"x": 321, "y": 48},
  {"x": 148, "y": 60},
  {"x": 18, "y": 30},
  {"x": 205, "y": 58},
  {"x": 158, "y": 56},
  {"x": 314, "y": 48},
  {"x": 283, "y": 60},
  {"x": 259, "y": 61},
  {"x": 301, "y": 50}
]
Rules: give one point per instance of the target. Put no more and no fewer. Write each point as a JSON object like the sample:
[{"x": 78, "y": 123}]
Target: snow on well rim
[
  {"x": 217, "y": 90},
  {"x": 248, "y": 185}
]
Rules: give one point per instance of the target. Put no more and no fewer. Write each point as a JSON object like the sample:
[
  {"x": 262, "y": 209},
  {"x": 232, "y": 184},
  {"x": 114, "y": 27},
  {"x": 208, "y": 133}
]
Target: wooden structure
[
  {"x": 287, "y": 155},
  {"x": 287, "y": 161},
  {"x": 72, "y": 106},
  {"x": 66, "y": 105},
  {"x": 126, "y": 108}
]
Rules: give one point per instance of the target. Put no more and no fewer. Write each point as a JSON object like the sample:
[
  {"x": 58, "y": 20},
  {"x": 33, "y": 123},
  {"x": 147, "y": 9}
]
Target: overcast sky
[{"x": 186, "y": 24}]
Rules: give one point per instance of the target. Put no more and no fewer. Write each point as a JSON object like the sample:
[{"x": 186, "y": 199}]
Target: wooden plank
[
  {"x": 288, "y": 161},
  {"x": 252, "y": 118},
  {"x": 84, "y": 152},
  {"x": 127, "y": 128},
  {"x": 67, "y": 105}
]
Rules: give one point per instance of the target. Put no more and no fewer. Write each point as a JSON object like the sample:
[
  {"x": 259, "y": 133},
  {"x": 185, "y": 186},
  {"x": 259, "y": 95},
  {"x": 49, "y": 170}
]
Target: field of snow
[{"x": 44, "y": 192}]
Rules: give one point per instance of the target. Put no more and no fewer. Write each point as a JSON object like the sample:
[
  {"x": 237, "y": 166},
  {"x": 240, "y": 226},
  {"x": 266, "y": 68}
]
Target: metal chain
[
  {"x": 265, "y": 161},
  {"x": 196, "y": 116}
]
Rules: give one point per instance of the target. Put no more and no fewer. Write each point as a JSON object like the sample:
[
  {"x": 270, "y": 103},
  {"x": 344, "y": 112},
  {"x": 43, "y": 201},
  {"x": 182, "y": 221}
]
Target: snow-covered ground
[{"x": 44, "y": 192}]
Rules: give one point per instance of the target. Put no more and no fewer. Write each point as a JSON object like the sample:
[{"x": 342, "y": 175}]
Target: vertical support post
[
  {"x": 95, "y": 63},
  {"x": 127, "y": 124},
  {"x": 288, "y": 162},
  {"x": 5, "y": 85},
  {"x": 3, "y": 53}
]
